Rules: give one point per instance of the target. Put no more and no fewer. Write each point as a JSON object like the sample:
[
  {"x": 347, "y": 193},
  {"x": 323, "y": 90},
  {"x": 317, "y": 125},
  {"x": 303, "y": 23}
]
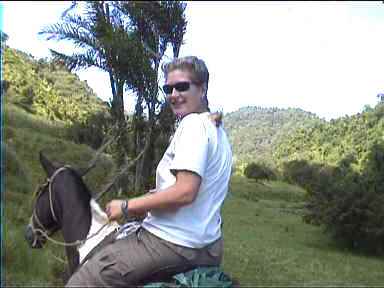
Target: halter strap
[
  {"x": 50, "y": 181},
  {"x": 50, "y": 191}
]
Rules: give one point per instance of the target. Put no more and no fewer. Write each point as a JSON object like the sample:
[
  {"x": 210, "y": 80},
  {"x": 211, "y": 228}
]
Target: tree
[
  {"x": 157, "y": 24},
  {"x": 127, "y": 40}
]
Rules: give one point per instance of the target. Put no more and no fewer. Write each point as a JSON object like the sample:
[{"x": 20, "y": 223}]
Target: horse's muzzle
[{"x": 32, "y": 238}]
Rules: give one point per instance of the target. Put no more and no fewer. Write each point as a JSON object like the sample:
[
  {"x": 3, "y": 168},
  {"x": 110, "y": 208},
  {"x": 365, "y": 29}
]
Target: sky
[{"x": 323, "y": 57}]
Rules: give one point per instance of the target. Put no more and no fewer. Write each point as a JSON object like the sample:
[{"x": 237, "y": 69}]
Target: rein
[
  {"x": 74, "y": 243},
  {"x": 45, "y": 232}
]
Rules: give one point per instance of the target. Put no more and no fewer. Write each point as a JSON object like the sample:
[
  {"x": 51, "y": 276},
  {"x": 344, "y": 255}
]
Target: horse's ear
[{"x": 47, "y": 165}]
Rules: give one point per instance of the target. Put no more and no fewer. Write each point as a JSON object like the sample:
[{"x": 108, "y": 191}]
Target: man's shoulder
[
  {"x": 194, "y": 120},
  {"x": 195, "y": 117}
]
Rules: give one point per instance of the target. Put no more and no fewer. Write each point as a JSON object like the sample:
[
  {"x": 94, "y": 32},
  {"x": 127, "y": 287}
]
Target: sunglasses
[{"x": 179, "y": 86}]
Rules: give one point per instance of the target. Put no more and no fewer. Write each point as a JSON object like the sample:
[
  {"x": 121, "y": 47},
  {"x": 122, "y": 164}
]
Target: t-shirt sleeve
[{"x": 190, "y": 147}]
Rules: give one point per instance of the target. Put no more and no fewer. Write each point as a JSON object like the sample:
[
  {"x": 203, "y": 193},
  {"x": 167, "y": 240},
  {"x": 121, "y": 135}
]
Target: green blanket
[{"x": 199, "y": 277}]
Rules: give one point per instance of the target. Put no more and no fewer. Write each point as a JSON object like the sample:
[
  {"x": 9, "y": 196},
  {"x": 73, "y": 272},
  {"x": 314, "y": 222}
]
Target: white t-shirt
[{"x": 198, "y": 146}]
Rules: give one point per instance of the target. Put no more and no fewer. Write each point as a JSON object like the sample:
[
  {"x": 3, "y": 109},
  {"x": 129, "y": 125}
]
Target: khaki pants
[{"x": 142, "y": 258}]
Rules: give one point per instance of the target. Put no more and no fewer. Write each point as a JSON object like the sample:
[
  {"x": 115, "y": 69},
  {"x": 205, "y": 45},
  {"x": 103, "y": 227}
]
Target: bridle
[
  {"x": 40, "y": 190},
  {"x": 42, "y": 229}
]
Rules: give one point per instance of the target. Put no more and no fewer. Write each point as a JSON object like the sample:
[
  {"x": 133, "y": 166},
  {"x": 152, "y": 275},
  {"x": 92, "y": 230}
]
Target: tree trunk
[
  {"x": 139, "y": 165},
  {"x": 120, "y": 101},
  {"x": 141, "y": 172},
  {"x": 119, "y": 117}
]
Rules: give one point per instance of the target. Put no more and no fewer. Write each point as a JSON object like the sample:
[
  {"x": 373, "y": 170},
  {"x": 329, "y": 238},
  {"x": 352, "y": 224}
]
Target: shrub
[
  {"x": 298, "y": 172},
  {"x": 92, "y": 131},
  {"x": 312, "y": 177},
  {"x": 259, "y": 172}
]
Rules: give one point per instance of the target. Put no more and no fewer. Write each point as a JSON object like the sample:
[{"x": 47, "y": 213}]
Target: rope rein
[{"x": 74, "y": 243}]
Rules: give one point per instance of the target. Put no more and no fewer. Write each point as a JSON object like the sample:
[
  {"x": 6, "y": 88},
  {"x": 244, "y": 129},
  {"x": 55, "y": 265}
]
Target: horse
[{"x": 65, "y": 202}]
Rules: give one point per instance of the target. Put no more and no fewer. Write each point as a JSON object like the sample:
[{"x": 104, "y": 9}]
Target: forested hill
[
  {"x": 254, "y": 132},
  {"x": 46, "y": 89},
  {"x": 346, "y": 140}
]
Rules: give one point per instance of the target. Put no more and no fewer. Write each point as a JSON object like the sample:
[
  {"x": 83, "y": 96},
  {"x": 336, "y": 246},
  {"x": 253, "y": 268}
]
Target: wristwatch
[{"x": 124, "y": 209}]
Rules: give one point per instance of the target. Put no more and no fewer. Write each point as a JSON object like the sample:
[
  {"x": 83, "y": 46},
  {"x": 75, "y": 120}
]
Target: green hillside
[
  {"x": 47, "y": 89},
  {"x": 42, "y": 101},
  {"x": 345, "y": 139},
  {"x": 254, "y": 132},
  {"x": 275, "y": 136}
]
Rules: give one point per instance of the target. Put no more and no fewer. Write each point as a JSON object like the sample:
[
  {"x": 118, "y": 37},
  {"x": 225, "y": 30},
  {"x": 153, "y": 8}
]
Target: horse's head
[{"x": 47, "y": 215}]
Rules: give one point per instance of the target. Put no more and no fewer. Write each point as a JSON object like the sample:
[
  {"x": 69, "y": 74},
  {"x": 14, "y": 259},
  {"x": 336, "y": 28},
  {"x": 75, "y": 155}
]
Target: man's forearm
[{"x": 169, "y": 198}]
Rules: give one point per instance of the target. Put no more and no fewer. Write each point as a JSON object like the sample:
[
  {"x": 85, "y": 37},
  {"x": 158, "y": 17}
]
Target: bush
[
  {"x": 312, "y": 177},
  {"x": 351, "y": 204},
  {"x": 259, "y": 172},
  {"x": 298, "y": 172}
]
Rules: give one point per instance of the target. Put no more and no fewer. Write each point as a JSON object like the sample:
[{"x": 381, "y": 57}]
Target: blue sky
[{"x": 323, "y": 57}]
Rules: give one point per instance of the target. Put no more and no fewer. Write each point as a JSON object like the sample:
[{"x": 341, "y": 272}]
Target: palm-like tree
[
  {"x": 157, "y": 24},
  {"x": 127, "y": 40},
  {"x": 102, "y": 41}
]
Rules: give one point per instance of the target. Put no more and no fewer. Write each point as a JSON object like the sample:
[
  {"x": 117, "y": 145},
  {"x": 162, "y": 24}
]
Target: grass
[
  {"x": 266, "y": 242},
  {"x": 17, "y": 117},
  {"x": 272, "y": 190}
]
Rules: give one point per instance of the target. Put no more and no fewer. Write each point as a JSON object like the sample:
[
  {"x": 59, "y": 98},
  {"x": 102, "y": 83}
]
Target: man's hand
[{"x": 113, "y": 209}]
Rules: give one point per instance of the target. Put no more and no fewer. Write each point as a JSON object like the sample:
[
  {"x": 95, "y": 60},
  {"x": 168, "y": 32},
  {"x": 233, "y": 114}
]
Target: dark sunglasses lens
[
  {"x": 180, "y": 86},
  {"x": 167, "y": 89}
]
